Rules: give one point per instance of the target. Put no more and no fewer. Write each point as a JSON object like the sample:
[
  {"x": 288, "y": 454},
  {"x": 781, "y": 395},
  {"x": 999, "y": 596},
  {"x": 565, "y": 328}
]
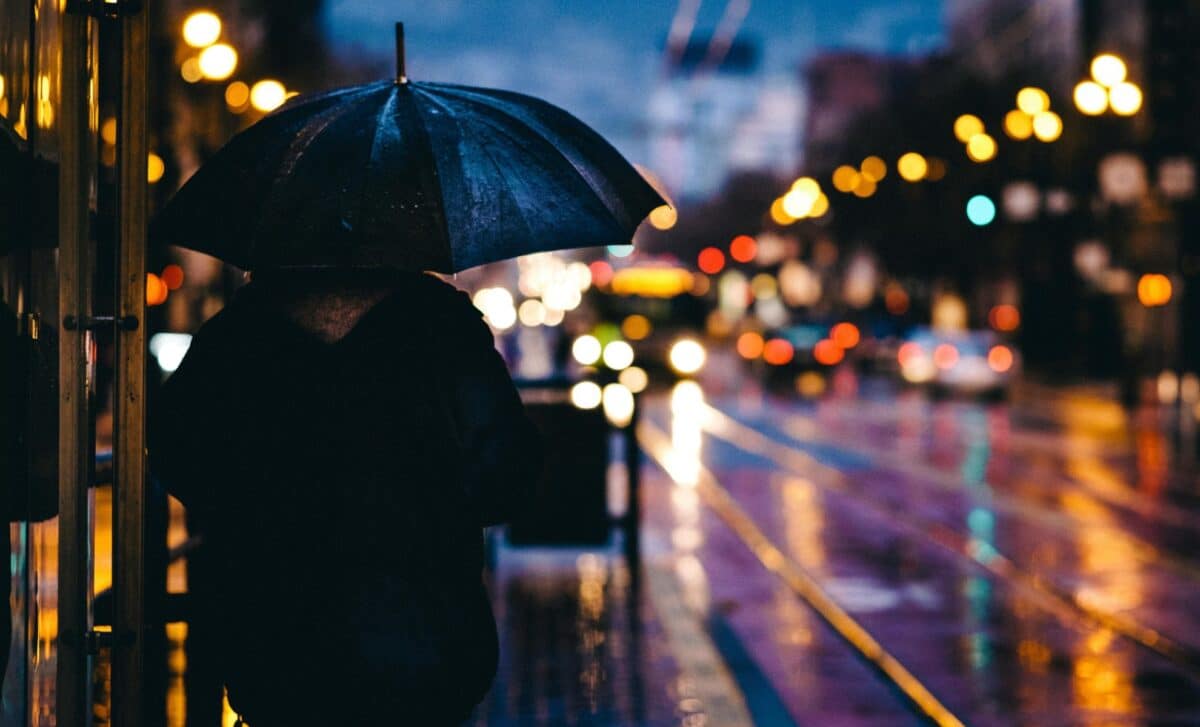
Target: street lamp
[
  {"x": 201, "y": 29},
  {"x": 1108, "y": 89}
]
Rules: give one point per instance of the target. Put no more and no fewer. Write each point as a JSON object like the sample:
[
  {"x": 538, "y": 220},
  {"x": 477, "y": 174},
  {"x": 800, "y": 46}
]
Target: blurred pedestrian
[{"x": 340, "y": 437}]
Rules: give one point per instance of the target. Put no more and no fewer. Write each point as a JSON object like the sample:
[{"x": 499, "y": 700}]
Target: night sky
[{"x": 601, "y": 59}]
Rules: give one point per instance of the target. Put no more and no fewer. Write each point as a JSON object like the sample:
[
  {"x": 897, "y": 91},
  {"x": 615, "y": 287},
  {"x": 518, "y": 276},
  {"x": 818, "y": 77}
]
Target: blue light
[
  {"x": 620, "y": 250},
  {"x": 981, "y": 210}
]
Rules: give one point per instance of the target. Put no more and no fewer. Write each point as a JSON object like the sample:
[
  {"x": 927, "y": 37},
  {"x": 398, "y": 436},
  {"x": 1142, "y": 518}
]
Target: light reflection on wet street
[{"x": 1027, "y": 562}]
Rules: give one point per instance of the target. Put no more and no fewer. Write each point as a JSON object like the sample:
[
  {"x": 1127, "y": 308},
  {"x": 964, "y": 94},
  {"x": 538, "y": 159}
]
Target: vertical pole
[
  {"x": 129, "y": 448},
  {"x": 74, "y": 450}
]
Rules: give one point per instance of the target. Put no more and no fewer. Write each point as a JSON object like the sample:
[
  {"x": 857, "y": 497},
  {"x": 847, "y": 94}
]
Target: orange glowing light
[
  {"x": 711, "y": 260},
  {"x": 896, "y": 300},
  {"x": 602, "y": 272},
  {"x": 908, "y": 353},
  {"x": 945, "y": 356},
  {"x": 156, "y": 290},
  {"x": 778, "y": 352},
  {"x": 845, "y": 335},
  {"x": 1004, "y": 317},
  {"x": 743, "y": 248},
  {"x": 1000, "y": 358},
  {"x": 828, "y": 353},
  {"x": 172, "y": 275},
  {"x": 750, "y": 345},
  {"x": 1154, "y": 289}
]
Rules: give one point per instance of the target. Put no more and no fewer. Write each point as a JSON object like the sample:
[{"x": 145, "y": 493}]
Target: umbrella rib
[
  {"x": 474, "y": 100},
  {"x": 435, "y": 188},
  {"x": 491, "y": 160}
]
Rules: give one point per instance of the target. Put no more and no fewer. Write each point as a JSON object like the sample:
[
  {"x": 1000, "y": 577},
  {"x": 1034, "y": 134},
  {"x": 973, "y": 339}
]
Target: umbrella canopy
[{"x": 418, "y": 176}]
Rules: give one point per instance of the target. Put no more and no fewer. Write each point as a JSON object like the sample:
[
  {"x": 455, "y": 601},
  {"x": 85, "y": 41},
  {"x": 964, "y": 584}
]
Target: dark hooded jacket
[{"x": 340, "y": 490}]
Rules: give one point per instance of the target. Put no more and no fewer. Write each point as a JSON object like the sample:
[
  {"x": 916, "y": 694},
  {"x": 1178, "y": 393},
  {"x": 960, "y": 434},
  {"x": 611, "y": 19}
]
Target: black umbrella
[{"x": 420, "y": 176}]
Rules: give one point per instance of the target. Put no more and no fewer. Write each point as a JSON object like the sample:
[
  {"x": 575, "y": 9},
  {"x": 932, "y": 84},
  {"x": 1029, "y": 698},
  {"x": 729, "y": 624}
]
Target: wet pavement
[{"x": 874, "y": 557}]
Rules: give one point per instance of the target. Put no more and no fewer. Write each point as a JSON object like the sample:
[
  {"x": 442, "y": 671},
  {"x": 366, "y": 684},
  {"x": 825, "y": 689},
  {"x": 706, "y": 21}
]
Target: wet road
[{"x": 878, "y": 558}]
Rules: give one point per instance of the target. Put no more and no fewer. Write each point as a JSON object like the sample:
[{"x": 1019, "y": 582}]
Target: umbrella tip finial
[{"x": 400, "y": 74}]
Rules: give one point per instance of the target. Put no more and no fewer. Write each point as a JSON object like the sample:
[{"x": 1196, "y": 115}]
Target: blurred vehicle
[{"x": 972, "y": 363}]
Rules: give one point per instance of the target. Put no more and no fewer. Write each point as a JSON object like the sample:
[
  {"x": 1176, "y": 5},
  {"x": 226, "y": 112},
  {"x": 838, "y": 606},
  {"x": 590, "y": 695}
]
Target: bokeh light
[
  {"x": 874, "y": 168},
  {"x": 912, "y": 167},
  {"x": 155, "y": 168},
  {"x": 618, "y": 355},
  {"x": 634, "y": 378},
  {"x": 636, "y": 327},
  {"x": 1047, "y": 126},
  {"x": 1018, "y": 124},
  {"x": 743, "y": 248},
  {"x": 945, "y": 356},
  {"x": 828, "y": 353},
  {"x": 618, "y": 404},
  {"x": 778, "y": 352},
  {"x": 201, "y": 29},
  {"x": 1000, "y": 358},
  {"x": 172, "y": 275},
  {"x": 587, "y": 350},
  {"x": 663, "y": 217},
  {"x": 1108, "y": 69},
  {"x": 237, "y": 96},
  {"x": 687, "y": 356},
  {"x": 845, "y": 334},
  {"x": 1033, "y": 100},
  {"x": 586, "y": 395},
  {"x": 218, "y": 62},
  {"x": 1004, "y": 317},
  {"x": 981, "y": 148},
  {"x": 981, "y": 210},
  {"x": 750, "y": 345},
  {"x": 1125, "y": 99},
  {"x": 845, "y": 178},
  {"x": 711, "y": 260},
  {"x": 1091, "y": 98},
  {"x": 267, "y": 95},
  {"x": 156, "y": 290},
  {"x": 966, "y": 126},
  {"x": 1153, "y": 290}
]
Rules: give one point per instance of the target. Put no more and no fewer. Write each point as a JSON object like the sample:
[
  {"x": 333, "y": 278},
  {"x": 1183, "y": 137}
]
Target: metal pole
[
  {"x": 129, "y": 448},
  {"x": 73, "y": 704}
]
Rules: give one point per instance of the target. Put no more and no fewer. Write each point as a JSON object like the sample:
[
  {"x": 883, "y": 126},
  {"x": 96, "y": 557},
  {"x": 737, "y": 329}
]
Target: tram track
[
  {"x": 915, "y": 693},
  {"x": 1069, "y": 608}
]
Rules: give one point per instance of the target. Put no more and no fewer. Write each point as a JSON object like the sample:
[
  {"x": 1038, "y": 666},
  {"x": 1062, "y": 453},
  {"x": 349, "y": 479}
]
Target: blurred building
[
  {"x": 715, "y": 113},
  {"x": 997, "y": 39},
  {"x": 842, "y": 88}
]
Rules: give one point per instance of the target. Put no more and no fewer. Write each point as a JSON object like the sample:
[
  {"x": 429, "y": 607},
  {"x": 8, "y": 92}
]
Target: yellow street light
[
  {"x": 1125, "y": 98},
  {"x": 201, "y": 29},
  {"x": 966, "y": 126},
  {"x": 845, "y": 178},
  {"x": 874, "y": 168},
  {"x": 1108, "y": 69},
  {"x": 819, "y": 207},
  {"x": 1033, "y": 100},
  {"x": 981, "y": 148},
  {"x": 1018, "y": 124},
  {"x": 663, "y": 217},
  {"x": 1047, "y": 126},
  {"x": 267, "y": 95},
  {"x": 190, "y": 70},
  {"x": 779, "y": 214},
  {"x": 155, "y": 168},
  {"x": 237, "y": 95},
  {"x": 865, "y": 187},
  {"x": 1090, "y": 98},
  {"x": 218, "y": 62},
  {"x": 912, "y": 166}
]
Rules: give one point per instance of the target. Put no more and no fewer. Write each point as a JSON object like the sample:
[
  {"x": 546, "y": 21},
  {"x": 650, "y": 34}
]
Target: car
[{"x": 970, "y": 362}]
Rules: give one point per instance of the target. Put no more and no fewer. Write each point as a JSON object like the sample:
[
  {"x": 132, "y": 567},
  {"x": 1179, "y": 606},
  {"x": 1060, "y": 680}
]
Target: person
[{"x": 340, "y": 437}]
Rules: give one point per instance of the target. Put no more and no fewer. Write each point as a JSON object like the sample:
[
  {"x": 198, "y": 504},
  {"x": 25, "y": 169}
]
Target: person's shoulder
[{"x": 447, "y": 299}]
